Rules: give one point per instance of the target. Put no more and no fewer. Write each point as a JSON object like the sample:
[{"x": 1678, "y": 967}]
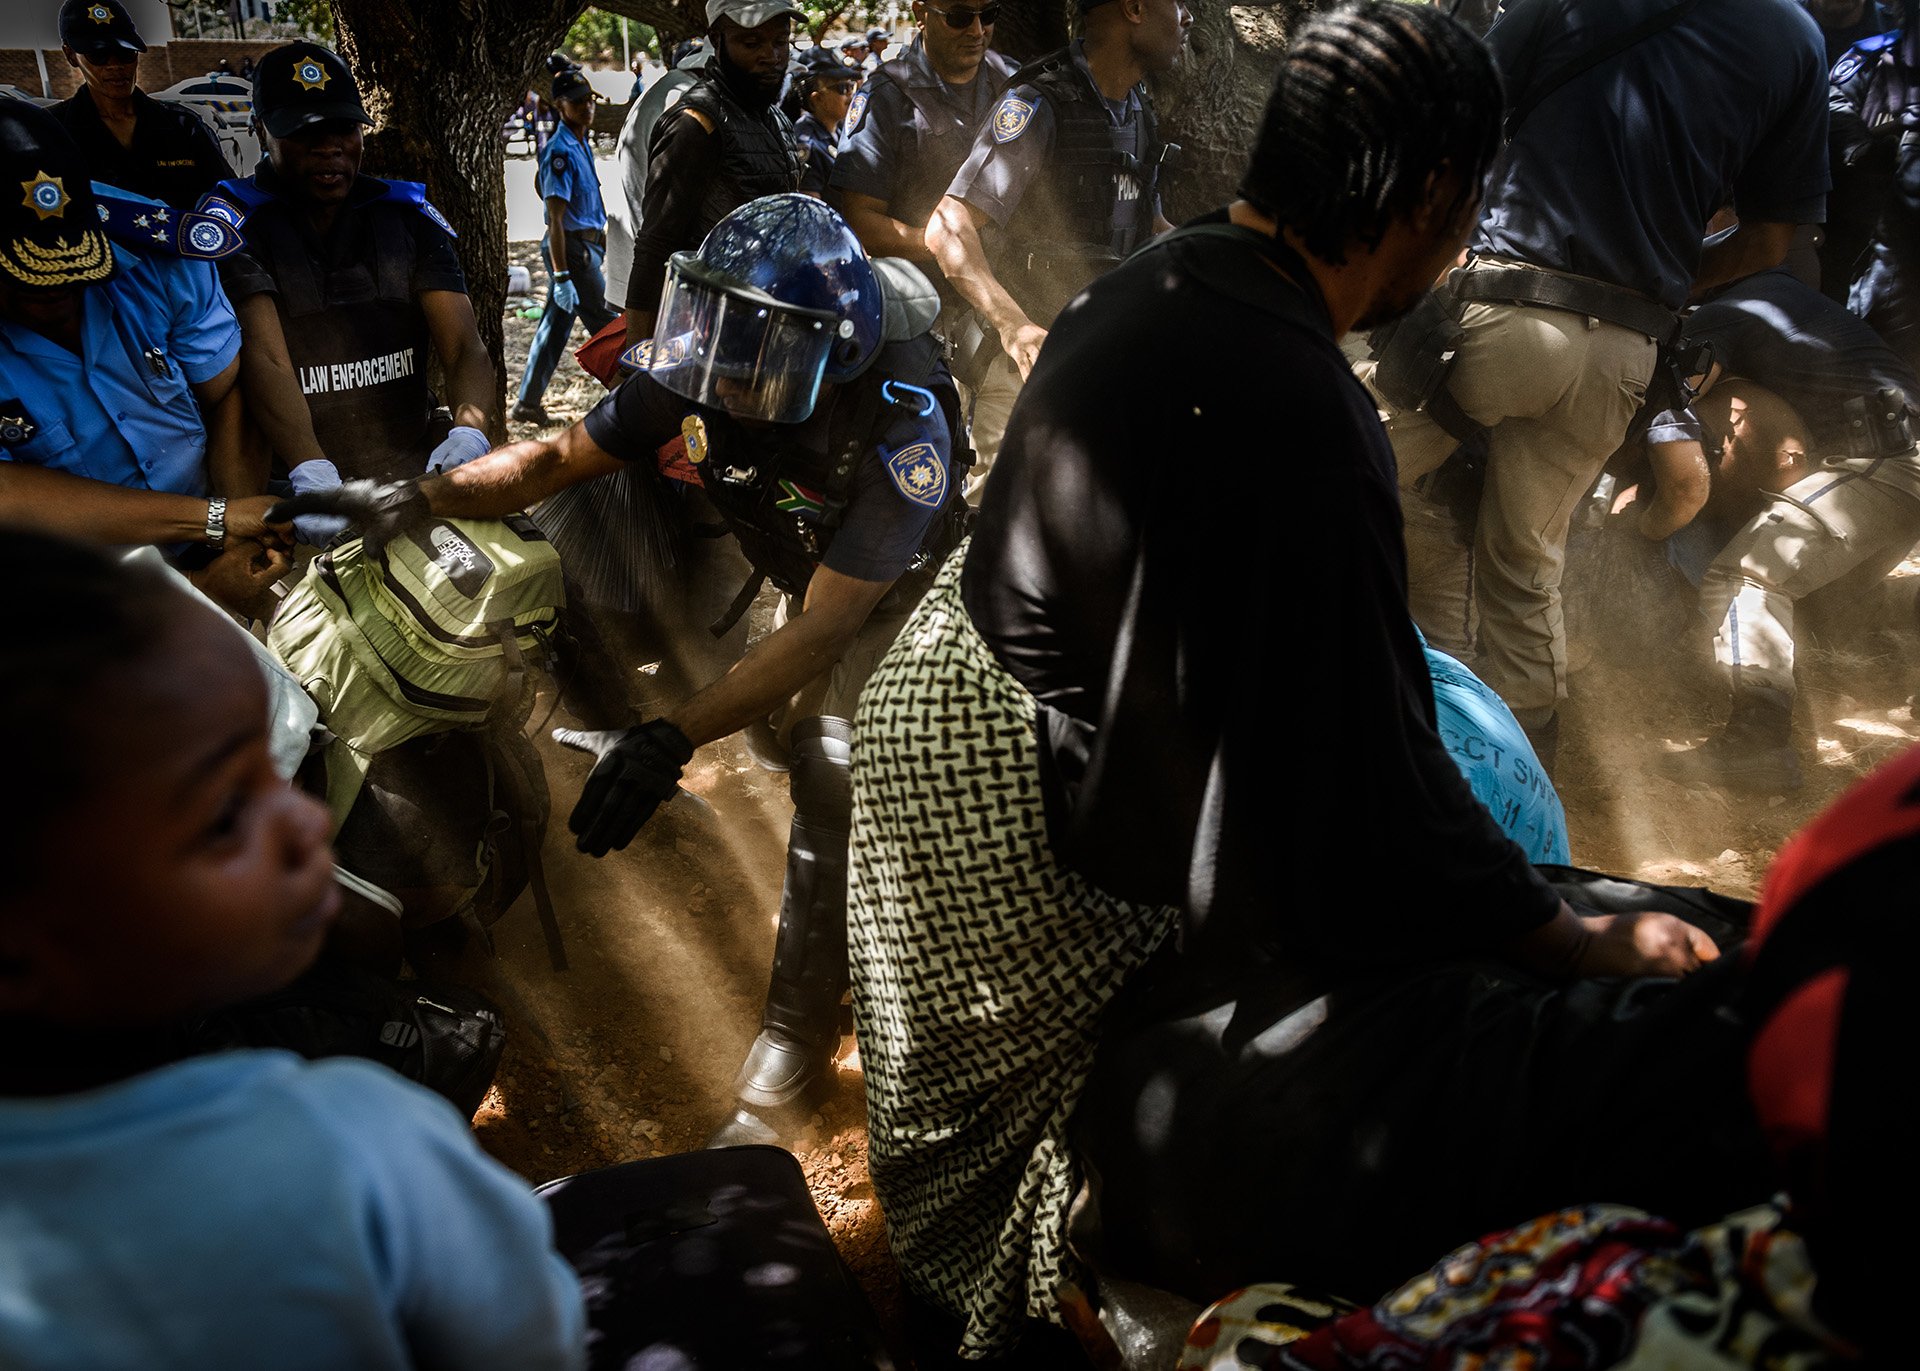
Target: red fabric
[
  {"x": 1790, "y": 1070},
  {"x": 599, "y": 356},
  {"x": 1881, "y": 809}
]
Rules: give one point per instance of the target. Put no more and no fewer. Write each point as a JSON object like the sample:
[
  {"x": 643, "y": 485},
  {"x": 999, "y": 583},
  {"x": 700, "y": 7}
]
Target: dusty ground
[{"x": 630, "y": 1053}]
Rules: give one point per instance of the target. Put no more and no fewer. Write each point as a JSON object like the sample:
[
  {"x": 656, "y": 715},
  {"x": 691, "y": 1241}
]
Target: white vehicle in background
[
  {"x": 225, "y": 104},
  {"x": 15, "y": 93}
]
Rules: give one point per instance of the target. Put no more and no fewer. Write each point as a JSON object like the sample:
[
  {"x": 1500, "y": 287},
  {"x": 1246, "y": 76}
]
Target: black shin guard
[{"x": 801, "y": 1025}]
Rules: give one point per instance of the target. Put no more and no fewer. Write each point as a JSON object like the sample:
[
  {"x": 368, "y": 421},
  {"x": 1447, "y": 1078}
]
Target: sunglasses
[{"x": 963, "y": 19}]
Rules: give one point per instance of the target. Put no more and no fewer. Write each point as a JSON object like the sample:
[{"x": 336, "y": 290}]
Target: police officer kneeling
[{"x": 825, "y": 429}]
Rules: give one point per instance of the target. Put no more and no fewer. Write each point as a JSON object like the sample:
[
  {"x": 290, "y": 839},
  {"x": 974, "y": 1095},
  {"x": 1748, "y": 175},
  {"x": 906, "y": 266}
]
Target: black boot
[
  {"x": 791, "y": 1063},
  {"x": 1545, "y": 741},
  {"x": 1752, "y": 754}
]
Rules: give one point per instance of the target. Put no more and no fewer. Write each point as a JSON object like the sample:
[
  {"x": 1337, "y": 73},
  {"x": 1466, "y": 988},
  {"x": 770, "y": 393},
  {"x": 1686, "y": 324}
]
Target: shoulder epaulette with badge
[
  {"x": 148, "y": 226},
  {"x": 1856, "y": 56},
  {"x": 415, "y": 194},
  {"x": 235, "y": 200}
]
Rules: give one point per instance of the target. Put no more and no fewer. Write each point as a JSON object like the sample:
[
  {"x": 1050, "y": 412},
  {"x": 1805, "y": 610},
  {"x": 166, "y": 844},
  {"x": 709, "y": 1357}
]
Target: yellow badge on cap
[
  {"x": 311, "y": 75},
  {"x": 46, "y": 196},
  {"x": 100, "y": 14},
  {"x": 694, "y": 429}
]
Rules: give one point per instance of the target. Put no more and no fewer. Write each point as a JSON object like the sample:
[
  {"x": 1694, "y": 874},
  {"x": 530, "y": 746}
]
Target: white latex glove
[
  {"x": 316, "y": 530},
  {"x": 457, "y": 449}
]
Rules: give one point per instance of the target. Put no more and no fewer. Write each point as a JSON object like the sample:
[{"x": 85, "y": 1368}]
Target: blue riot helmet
[{"x": 779, "y": 298}]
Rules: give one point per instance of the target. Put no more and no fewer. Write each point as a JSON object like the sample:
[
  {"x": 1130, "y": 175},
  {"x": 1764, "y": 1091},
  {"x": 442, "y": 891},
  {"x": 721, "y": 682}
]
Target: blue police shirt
[
  {"x": 1615, "y": 174},
  {"x": 566, "y": 172},
  {"x": 818, "y": 146},
  {"x": 1015, "y": 147},
  {"x": 123, "y": 410}
]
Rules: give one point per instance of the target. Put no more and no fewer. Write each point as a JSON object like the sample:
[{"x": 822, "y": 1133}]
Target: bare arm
[
  {"x": 274, "y": 399},
  {"x": 953, "y": 236},
  {"x": 1754, "y": 245},
  {"x": 511, "y": 478},
  {"x": 879, "y": 232},
  {"x": 232, "y": 468},
  {"x": 469, "y": 371},
  {"x": 1683, "y": 484},
  {"x": 779, "y": 664},
  {"x": 61, "y": 502}
]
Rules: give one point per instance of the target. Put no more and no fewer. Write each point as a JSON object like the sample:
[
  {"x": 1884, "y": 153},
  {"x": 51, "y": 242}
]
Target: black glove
[
  {"x": 380, "y": 510},
  {"x": 639, "y": 771}
]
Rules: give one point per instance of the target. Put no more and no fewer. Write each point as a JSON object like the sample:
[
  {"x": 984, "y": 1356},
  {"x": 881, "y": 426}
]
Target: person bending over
[{"x": 247, "y": 1208}]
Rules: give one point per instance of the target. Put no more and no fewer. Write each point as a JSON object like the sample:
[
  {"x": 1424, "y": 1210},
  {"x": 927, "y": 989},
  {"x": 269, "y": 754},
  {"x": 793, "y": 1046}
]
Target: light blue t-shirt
[
  {"x": 255, "y": 1210},
  {"x": 123, "y": 410}
]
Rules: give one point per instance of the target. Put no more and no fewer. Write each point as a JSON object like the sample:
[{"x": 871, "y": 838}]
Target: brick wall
[{"x": 160, "y": 66}]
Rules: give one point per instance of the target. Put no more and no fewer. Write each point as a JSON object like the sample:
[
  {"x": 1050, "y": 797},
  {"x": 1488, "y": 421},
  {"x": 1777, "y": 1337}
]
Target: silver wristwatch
[{"x": 217, "y": 523}]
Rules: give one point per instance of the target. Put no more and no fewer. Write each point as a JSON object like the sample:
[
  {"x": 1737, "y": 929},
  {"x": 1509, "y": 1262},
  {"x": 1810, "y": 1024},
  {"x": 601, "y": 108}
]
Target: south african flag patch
[{"x": 797, "y": 499}]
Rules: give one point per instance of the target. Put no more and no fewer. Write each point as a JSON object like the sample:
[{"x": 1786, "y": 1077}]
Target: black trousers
[{"x": 1344, "y": 1131}]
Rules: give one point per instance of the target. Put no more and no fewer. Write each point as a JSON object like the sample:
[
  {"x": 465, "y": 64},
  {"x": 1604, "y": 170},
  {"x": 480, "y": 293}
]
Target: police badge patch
[
  {"x": 919, "y": 474},
  {"x": 856, "y": 112},
  {"x": 639, "y": 357},
  {"x": 1010, "y": 119},
  {"x": 562, "y": 164},
  {"x": 439, "y": 219},
  {"x": 16, "y": 425}
]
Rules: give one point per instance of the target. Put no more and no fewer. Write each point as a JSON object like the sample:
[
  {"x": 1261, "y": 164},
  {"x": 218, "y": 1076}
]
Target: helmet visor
[{"x": 736, "y": 348}]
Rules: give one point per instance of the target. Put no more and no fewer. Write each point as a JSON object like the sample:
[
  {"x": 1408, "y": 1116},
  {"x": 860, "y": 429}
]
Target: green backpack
[{"x": 434, "y": 632}]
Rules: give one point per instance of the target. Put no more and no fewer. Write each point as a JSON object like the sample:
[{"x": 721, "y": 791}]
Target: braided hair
[{"x": 1373, "y": 99}]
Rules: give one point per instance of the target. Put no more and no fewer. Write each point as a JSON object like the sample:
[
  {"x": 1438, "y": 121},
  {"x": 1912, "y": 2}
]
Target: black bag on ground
[
  {"x": 446, "y": 1037},
  {"x": 713, "y": 1259}
]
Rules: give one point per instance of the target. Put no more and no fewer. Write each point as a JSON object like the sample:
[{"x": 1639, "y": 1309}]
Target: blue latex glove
[
  {"x": 565, "y": 294},
  {"x": 316, "y": 530},
  {"x": 457, "y": 449}
]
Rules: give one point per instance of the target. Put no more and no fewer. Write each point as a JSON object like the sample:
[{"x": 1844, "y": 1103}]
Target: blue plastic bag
[{"x": 1499, "y": 763}]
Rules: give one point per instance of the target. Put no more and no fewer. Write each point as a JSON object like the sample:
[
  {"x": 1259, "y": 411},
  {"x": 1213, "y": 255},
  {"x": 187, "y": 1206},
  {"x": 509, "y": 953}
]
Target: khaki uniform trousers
[
  {"x": 835, "y": 692},
  {"x": 1557, "y": 392},
  {"x": 1837, "y": 521},
  {"x": 989, "y": 408}
]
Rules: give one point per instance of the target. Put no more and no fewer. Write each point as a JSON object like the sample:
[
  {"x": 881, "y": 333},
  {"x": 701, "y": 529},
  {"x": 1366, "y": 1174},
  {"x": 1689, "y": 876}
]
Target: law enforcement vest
[
  {"x": 936, "y": 144},
  {"x": 785, "y": 507},
  {"x": 1062, "y": 235},
  {"x": 355, "y": 331},
  {"x": 757, "y": 156}
]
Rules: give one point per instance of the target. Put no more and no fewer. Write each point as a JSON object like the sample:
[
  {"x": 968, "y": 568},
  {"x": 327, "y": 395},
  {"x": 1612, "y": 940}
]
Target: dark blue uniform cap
[
  {"x": 99, "y": 28},
  {"x": 50, "y": 236},
  {"x": 303, "y": 84},
  {"x": 571, "y": 84}
]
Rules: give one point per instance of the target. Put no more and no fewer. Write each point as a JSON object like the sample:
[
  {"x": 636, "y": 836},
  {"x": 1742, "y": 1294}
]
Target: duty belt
[
  {"x": 1574, "y": 294},
  {"x": 598, "y": 237}
]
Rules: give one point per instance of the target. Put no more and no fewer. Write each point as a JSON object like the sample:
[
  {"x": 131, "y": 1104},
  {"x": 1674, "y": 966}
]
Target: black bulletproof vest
[
  {"x": 1062, "y": 235},
  {"x": 757, "y": 155},
  {"x": 357, "y": 336},
  {"x": 935, "y": 146},
  {"x": 786, "y": 547}
]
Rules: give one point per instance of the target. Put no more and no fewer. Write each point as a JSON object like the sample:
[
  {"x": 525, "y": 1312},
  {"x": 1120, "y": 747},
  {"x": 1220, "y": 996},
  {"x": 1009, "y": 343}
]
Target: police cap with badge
[
  {"x": 55, "y": 224},
  {"x": 304, "y": 86},
  {"x": 99, "y": 29}
]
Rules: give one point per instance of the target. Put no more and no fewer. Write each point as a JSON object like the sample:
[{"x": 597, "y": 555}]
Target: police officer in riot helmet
[
  {"x": 1062, "y": 183},
  {"x": 343, "y": 286},
  {"x": 726, "y": 142},
  {"x": 798, "y": 383}
]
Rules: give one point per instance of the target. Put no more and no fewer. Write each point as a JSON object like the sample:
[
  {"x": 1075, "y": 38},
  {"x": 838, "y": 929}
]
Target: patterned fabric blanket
[
  {"x": 1600, "y": 1288},
  {"x": 980, "y": 970}
]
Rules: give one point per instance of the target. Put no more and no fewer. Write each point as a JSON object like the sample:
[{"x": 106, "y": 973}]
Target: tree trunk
[
  {"x": 439, "y": 78},
  {"x": 671, "y": 19},
  {"x": 1212, "y": 102}
]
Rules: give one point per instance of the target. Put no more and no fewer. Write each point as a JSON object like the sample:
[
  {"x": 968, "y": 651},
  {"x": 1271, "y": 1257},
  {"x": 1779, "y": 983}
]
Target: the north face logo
[{"x": 464, "y": 564}]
